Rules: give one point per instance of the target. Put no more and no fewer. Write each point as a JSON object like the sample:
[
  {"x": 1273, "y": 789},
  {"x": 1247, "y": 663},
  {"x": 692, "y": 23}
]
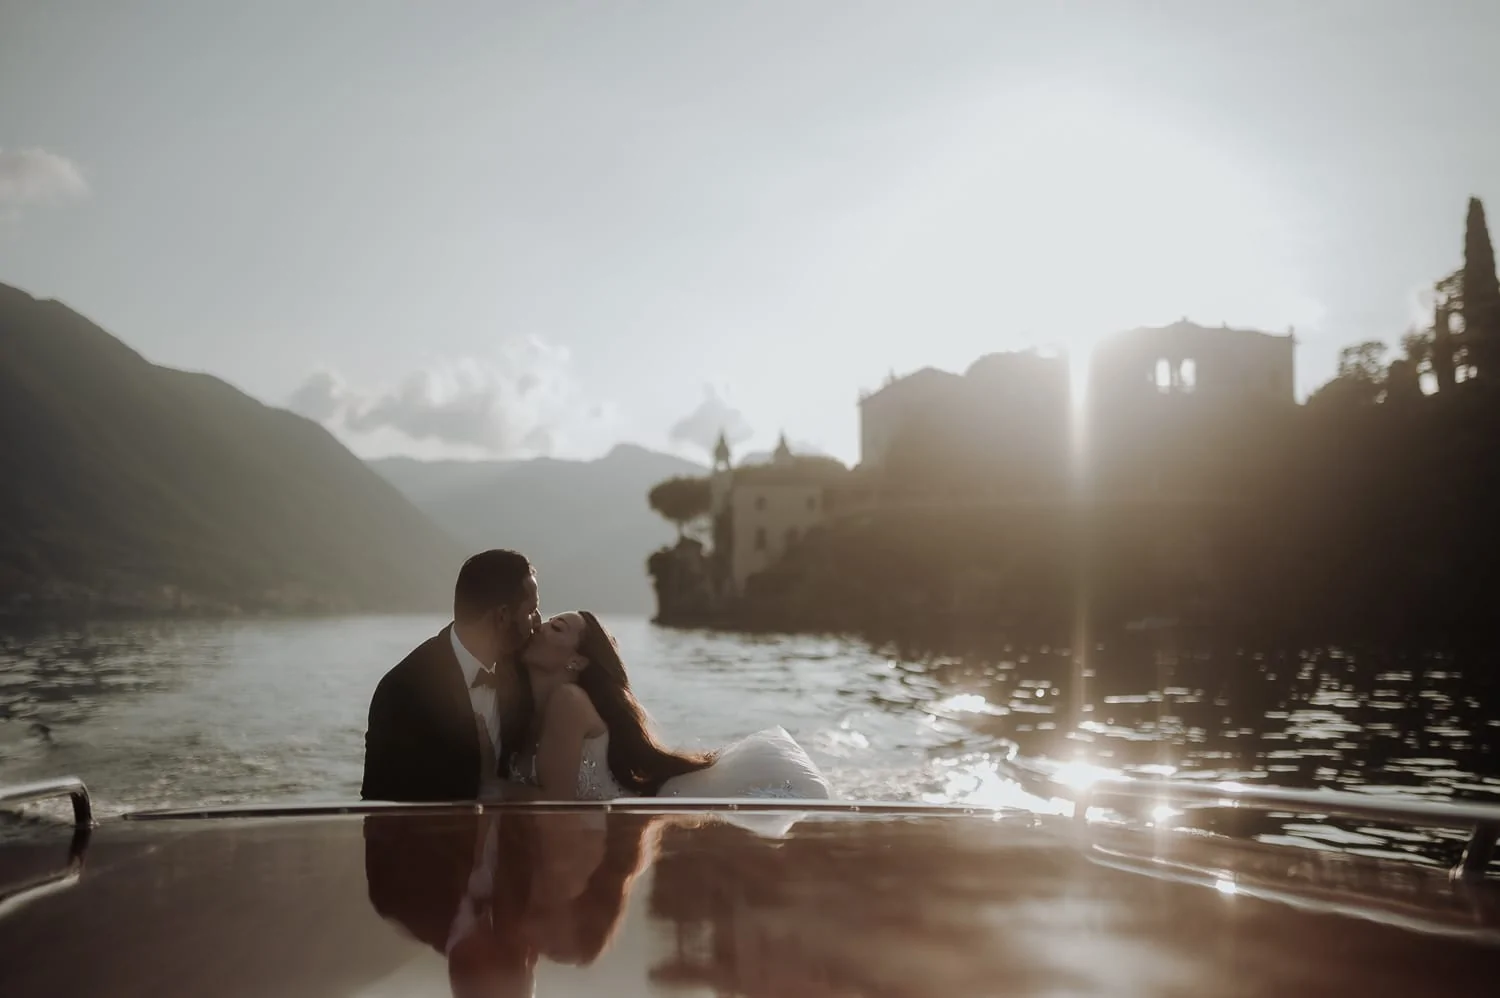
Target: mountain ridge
[
  {"x": 134, "y": 486},
  {"x": 585, "y": 524}
]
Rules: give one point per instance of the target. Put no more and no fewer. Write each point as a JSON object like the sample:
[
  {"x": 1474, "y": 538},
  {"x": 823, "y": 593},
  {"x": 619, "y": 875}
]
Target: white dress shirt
[
  {"x": 486, "y": 709},
  {"x": 474, "y": 908}
]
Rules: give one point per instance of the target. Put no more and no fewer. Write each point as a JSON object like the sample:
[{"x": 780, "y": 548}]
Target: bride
[{"x": 589, "y": 738}]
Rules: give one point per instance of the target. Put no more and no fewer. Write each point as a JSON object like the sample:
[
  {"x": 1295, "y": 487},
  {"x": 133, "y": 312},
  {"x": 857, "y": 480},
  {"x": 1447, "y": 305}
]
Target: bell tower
[
  {"x": 721, "y": 479},
  {"x": 721, "y": 496}
]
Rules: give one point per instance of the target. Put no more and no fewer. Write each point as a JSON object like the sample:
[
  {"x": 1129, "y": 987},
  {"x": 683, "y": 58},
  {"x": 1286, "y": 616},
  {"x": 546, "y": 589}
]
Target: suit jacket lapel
[{"x": 452, "y": 698}]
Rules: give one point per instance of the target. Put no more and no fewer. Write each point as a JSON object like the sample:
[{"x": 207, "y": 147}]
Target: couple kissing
[{"x": 503, "y": 705}]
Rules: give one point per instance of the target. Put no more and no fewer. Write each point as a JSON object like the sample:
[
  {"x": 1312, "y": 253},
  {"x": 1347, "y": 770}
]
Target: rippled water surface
[{"x": 199, "y": 712}]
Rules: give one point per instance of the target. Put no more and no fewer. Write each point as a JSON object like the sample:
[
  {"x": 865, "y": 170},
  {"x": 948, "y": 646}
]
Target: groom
[{"x": 444, "y": 721}]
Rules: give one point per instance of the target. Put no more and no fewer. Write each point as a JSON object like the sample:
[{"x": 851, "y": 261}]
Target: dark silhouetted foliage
[
  {"x": 682, "y": 500},
  {"x": 1481, "y": 293},
  {"x": 1443, "y": 366}
]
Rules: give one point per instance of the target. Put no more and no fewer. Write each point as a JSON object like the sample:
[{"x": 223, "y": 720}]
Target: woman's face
[{"x": 554, "y": 646}]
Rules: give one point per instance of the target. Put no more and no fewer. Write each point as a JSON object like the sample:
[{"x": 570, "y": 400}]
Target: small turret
[
  {"x": 783, "y": 453},
  {"x": 721, "y": 453}
]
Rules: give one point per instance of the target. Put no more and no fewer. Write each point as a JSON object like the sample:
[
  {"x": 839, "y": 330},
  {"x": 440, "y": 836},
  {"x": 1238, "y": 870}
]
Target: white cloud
[
  {"x": 31, "y": 175},
  {"x": 713, "y": 415},
  {"x": 523, "y": 402},
  {"x": 320, "y": 398}
]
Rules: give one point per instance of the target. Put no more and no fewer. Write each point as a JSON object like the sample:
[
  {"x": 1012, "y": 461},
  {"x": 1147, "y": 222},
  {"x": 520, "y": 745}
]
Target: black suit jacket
[{"x": 422, "y": 743}]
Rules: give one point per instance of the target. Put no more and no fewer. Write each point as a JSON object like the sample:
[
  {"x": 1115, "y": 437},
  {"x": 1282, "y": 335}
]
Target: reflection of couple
[
  {"x": 492, "y": 892},
  {"x": 502, "y": 704}
]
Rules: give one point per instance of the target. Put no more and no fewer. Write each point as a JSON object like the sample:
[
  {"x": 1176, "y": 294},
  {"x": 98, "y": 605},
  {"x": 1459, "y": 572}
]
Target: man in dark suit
[{"x": 445, "y": 722}]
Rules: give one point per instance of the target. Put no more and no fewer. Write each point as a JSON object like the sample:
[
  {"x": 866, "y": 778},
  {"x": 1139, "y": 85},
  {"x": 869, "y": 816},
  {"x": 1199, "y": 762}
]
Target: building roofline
[
  {"x": 1189, "y": 327},
  {"x": 924, "y": 373}
]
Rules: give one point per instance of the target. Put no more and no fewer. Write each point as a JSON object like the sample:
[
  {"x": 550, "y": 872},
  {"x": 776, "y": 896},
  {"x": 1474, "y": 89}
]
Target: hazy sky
[{"x": 511, "y": 227}]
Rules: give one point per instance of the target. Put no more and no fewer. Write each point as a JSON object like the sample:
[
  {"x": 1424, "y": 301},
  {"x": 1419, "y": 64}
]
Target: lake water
[{"x": 180, "y": 713}]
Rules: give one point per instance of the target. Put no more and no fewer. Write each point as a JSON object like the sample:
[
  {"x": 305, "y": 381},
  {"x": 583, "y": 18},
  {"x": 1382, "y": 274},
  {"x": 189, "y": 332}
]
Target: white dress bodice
[{"x": 595, "y": 781}]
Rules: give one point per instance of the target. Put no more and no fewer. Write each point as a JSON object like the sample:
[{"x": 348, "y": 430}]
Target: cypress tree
[{"x": 1481, "y": 295}]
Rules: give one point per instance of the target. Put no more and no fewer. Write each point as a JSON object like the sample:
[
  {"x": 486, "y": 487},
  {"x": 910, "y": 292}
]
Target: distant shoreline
[{"x": 10, "y": 619}]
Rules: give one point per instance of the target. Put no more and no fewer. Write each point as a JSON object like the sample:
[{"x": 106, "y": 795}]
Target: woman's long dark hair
[{"x": 638, "y": 761}]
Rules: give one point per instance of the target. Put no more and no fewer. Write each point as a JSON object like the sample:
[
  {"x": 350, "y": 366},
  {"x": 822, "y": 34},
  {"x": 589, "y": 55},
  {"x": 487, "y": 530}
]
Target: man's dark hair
[{"x": 488, "y": 580}]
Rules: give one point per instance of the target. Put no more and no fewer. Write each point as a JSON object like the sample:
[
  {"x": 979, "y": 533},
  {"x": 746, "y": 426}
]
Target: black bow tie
[{"x": 486, "y": 677}]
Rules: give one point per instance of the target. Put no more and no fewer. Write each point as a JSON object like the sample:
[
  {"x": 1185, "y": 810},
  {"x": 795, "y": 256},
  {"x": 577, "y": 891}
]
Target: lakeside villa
[{"x": 1003, "y": 435}]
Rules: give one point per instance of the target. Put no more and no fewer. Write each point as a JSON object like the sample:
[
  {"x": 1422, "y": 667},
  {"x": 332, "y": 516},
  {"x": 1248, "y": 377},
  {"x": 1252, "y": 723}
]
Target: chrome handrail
[
  {"x": 17, "y": 899},
  {"x": 1481, "y": 820},
  {"x": 28, "y": 793}
]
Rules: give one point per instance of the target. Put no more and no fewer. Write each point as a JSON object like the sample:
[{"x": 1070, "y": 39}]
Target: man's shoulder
[{"x": 418, "y": 662}]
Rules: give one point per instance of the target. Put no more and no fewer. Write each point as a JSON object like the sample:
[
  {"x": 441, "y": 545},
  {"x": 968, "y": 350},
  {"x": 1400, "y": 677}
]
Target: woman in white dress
[{"x": 590, "y": 739}]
